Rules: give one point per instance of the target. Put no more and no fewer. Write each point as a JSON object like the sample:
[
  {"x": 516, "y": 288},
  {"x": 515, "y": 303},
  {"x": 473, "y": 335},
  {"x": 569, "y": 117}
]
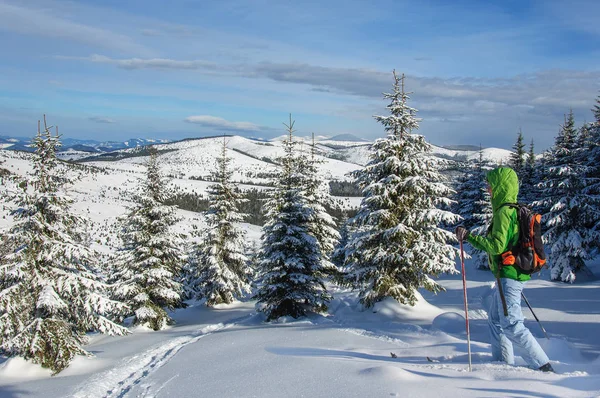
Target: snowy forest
[{"x": 57, "y": 290}]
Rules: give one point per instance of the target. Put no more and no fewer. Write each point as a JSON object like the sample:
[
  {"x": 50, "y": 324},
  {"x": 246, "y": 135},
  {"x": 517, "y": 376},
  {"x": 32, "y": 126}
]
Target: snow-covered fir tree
[
  {"x": 220, "y": 268},
  {"x": 290, "y": 257},
  {"x": 322, "y": 226},
  {"x": 517, "y": 157},
  {"x": 594, "y": 141},
  {"x": 590, "y": 158},
  {"x": 482, "y": 208},
  {"x": 568, "y": 208},
  {"x": 529, "y": 180},
  {"x": 584, "y": 136},
  {"x": 148, "y": 266},
  {"x": 49, "y": 294},
  {"x": 468, "y": 193},
  {"x": 398, "y": 247},
  {"x": 339, "y": 253}
]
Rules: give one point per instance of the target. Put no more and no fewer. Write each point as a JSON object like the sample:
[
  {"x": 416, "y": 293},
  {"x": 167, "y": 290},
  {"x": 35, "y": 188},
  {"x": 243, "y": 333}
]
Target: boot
[{"x": 547, "y": 368}]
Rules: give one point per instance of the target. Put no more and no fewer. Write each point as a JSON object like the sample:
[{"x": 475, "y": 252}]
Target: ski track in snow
[{"x": 118, "y": 381}]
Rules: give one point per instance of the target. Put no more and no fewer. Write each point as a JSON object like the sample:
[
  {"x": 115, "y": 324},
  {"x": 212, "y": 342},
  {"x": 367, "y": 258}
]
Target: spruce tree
[
  {"x": 339, "y": 253},
  {"x": 49, "y": 294},
  {"x": 584, "y": 138},
  {"x": 596, "y": 110},
  {"x": 590, "y": 157},
  {"x": 527, "y": 192},
  {"x": 290, "y": 257},
  {"x": 482, "y": 208},
  {"x": 220, "y": 268},
  {"x": 322, "y": 226},
  {"x": 568, "y": 208},
  {"x": 398, "y": 247},
  {"x": 467, "y": 194},
  {"x": 517, "y": 158},
  {"x": 148, "y": 266}
]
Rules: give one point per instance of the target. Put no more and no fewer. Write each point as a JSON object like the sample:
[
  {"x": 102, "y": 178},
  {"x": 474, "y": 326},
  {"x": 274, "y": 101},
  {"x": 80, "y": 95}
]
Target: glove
[{"x": 461, "y": 233}]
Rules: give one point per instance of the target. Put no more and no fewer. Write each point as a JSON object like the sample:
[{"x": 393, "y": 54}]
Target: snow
[
  {"x": 495, "y": 155},
  {"x": 229, "y": 351}
]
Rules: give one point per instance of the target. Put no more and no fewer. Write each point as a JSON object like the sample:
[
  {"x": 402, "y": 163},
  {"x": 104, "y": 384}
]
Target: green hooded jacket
[{"x": 505, "y": 227}]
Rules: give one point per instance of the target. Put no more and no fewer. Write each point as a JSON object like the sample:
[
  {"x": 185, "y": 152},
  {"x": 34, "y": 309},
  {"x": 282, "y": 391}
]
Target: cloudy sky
[{"x": 116, "y": 69}]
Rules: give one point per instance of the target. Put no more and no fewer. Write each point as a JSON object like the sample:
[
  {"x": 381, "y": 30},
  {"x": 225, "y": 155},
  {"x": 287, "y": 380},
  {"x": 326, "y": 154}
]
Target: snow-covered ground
[{"x": 230, "y": 351}]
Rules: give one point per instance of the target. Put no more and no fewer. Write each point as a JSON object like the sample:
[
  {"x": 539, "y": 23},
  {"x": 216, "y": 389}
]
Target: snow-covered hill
[
  {"x": 494, "y": 155},
  {"x": 253, "y": 161},
  {"x": 71, "y": 144},
  {"x": 229, "y": 351}
]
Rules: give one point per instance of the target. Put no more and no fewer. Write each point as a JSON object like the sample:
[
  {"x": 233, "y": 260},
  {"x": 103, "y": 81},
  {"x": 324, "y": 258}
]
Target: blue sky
[{"x": 117, "y": 69}]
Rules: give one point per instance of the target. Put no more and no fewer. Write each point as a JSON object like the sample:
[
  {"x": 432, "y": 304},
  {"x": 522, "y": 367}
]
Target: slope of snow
[
  {"x": 495, "y": 155},
  {"x": 229, "y": 351},
  {"x": 252, "y": 161}
]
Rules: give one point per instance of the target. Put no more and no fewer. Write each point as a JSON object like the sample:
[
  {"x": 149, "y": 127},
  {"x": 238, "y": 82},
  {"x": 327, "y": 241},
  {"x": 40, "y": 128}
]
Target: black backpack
[{"x": 528, "y": 252}]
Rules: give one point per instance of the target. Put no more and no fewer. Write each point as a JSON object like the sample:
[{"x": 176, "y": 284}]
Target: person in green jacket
[{"x": 506, "y": 324}]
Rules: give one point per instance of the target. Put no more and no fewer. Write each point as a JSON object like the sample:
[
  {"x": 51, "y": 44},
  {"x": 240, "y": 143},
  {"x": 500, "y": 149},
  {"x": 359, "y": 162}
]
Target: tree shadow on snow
[
  {"x": 570, "y": 298},
  {"x": 10, "y": 391}
]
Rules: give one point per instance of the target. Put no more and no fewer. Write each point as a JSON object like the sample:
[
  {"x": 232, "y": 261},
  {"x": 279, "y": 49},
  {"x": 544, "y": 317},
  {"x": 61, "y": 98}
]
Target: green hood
[{"x": 505, "y": 186}]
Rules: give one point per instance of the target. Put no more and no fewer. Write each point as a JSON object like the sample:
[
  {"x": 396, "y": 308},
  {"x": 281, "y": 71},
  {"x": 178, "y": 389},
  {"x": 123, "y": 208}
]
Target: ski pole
[
  {"x": 536, "y": 318},
  {"x": 464, "y": 280}
]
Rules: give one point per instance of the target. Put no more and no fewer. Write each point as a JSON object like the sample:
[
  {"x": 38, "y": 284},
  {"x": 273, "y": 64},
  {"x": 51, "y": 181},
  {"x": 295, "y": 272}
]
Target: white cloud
[
  {"x": 220, "y": 123},
  {"x": 100, "y": 119},
  {"x": 151, "y": 63},
  {"x": 150, "y": 32},
  {"x": 490, "y": 107},
  {"x": 42, "y": 23},
  {"x": 570, "y": 88}
]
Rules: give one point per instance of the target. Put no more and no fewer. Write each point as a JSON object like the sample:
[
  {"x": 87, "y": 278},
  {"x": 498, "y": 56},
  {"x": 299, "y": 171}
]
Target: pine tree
[
  {"x": 147, "y": 268},
  {"x": 517, "y": 158},
  {"x": 596, "y": 110},
  {"x": 221, "y": 271},
  {"x": 482, "y": 208},
  {"x": 590, "y": 158},
  {"x": 568, "y": 208},
  {"x": 339, "y": 253},
  {"x": 322, "y": 226},
  {"x": 467, "y": 194},
  {"x": 594, "y": 141},
  {"x": 584, "y": 137},
  {"x": 398, "y": 246},
  {"x": 290, "y": 256},
  {"x": 527, "y": 192},
  {"x": 50, "y": 296}
]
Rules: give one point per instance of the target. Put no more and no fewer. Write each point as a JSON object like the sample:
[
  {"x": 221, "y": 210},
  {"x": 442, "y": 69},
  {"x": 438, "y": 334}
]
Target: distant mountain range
[
  {"x": 343, "y": 146},
  {"x": 96, "y": 147},
  {"x": 70, "y": 144}
]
